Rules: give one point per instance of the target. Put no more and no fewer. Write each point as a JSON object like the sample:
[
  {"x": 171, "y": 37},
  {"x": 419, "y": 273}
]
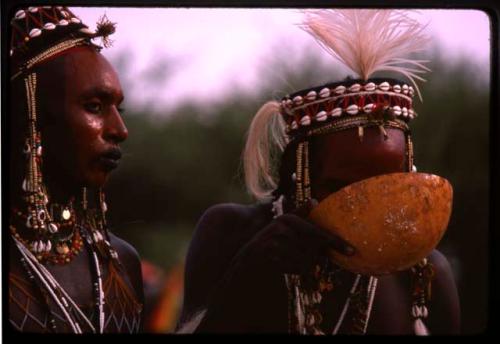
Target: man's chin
[{"x": 98, "y": 180}]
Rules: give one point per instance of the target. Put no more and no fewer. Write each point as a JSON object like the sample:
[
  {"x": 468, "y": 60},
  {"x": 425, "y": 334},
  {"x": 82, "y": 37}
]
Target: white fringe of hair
[
  {"x": 266, "y": 140},
  {"x": 368, "y": 41}
]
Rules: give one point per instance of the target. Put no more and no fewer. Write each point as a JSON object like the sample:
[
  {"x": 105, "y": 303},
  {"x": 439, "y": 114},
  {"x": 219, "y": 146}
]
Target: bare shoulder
[
  {"x": 229, "y": 214},
  {"x": 125, "y": 250},
  {"x": 220, "y": 233},
  {"x": 444, "y": 316},
  {"x": 439, "y": 262},
  {"x": 131, "y": 261},
  {"x": 230, "y": 222}
]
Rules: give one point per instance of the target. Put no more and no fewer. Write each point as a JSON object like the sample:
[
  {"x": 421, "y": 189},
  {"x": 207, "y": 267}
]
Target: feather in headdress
[
  {"x": 368, "y": 41},
  {"x": 104, "y": 29}
]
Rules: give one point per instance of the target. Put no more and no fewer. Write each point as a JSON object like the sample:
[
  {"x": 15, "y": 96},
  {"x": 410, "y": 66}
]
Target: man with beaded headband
[
  {"x": 264, "y": 268},
  {"x": 67, "y": 272}
]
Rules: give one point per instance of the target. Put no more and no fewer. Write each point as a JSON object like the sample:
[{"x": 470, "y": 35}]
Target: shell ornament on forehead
[
  {"x": 43, "y": 231},
  {"x": 367, "y": 42}
]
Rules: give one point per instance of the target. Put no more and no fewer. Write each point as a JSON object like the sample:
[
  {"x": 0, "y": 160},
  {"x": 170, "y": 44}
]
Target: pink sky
[{"x": 217, "y": 49}]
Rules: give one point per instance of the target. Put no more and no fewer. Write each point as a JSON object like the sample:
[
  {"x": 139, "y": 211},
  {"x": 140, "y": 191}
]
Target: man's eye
[{"x": 93, "y": 107}]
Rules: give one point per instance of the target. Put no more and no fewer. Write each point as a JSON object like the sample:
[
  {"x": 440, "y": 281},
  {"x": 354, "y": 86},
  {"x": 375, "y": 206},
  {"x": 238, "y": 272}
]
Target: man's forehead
[
  {"x": 89, "y": 72},
  {"x": 103, "y": 91}
]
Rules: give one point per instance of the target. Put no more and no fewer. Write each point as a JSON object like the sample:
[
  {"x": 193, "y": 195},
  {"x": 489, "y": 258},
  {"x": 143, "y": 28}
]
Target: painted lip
[{"x": 110, "y": 159}]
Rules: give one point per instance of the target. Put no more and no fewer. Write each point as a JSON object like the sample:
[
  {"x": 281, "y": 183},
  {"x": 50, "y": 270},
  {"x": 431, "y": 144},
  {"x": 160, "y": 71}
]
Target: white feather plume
[{"x": 372, "y": 40}]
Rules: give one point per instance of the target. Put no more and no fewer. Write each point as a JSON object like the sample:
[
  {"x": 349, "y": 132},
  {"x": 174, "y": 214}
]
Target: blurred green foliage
[{"x": 177, "y": 165}]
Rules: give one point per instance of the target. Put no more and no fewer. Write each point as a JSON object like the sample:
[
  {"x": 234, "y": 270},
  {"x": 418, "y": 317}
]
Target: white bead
[
  {"x": 414, "y": 310},
  {"x": 384, "y": 86},
  {"x": 104, "y": 207},
  {"x": 35, "y": 33},
  {"x": 11, "y": 52},
  {"x": 321, "y": 116},
  {"x": 39, "y": 151},
  {"x": 420, "y": 328},
  {"x": 339, "y": 89},
  {"x": 28, "y": 221},
  {"x": 62, "y": 249},
  {"x": 414, "y": 168},
  {"x": 355, "y": 88},
  {"x": 294, "y": 176},
  {"x": 53, "y": 228},
  {"x": 370, "y": 87},
  {"x": 48, "y": 246},
  {"x": 306, "y": 299},
  {"x": 425, "y": 312},
  {"x": 336, "y": 112},
  {"x": 324, "y": 92},
  {"x": 294, "y": 125},
  {"x": 352, "y": 109},
  {"x": 41, "y": 215},
  {"x": 404, "y": 111},
  {"x": 66, "y": 214},
  {"x": 306, "y": 120},
  {"x": 411, "y": 113},
  {"x": 368, "y": 108},
  {"x": 411, "y": 91},
  {"x": 396, "y": 88},
  {"x": 75, "y": 20},
  {"x": 49, "y": 26},
  {"x": 289, "y": 102},
  {"x": 20, "y": 14},
  {"x": 65, "y": 14},
  {"x": 298, "y": 100},
  {"x": 396, "y": 110},
  {"x": 311, "y": 96},
  {"x": 63, "y": 22},
  {"x": 33, "y": 9},
  {"x": 27, "y": 186},
  {"x": 405, "y": 89}
]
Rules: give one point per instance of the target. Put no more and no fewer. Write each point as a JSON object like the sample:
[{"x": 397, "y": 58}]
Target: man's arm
[
  {"x": 210, "y": 251},
  {"x": 444, "y": 306}
]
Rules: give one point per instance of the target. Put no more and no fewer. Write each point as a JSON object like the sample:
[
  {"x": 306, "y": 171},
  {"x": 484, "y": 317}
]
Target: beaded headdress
[
  {"x": 366, "y": 41},
  {"x": 37, "y": 35}
]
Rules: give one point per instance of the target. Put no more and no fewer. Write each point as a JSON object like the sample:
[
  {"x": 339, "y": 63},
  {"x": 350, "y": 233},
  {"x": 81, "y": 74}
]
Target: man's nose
[{"x": 116, "y": 130}]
